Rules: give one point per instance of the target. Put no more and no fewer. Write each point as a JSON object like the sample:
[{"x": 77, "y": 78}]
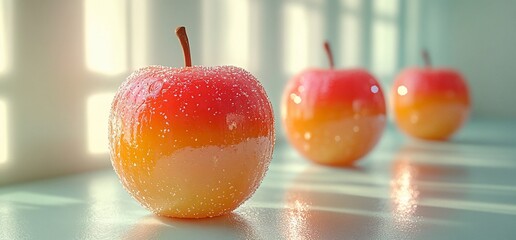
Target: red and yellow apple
[
  {"x": 333, "y": 116},
  {"x": 191, "y": 142},
  {"x": 430, "y": 103}
]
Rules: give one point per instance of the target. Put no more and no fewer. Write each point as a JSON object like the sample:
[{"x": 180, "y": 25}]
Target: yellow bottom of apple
[
  {"x": 337, "y": 142},
  {"x": 432, "y": 120},
  {"x": 199, "y": 182}
]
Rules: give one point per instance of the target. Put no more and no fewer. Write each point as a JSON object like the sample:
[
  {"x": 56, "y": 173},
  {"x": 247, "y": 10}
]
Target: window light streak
[
  {"x": 5, "y": 33},
  {"x": 106, "y": 36},
  {"x": 353, "y": 5},
  {"x": 98, "y": 108},
  {"x": 236, "y": 41},
  {"x": 378, "y": 193},
  {"x": 386, "y": 7},
  {"x": 346, "y": 189},
  {"x": 358, "y": 212},
  {"x": 458, "y": 187},
  {"x": 470, "y": 161},
  {"x": 296, "y": 216},
  {"x": 295, "y": 37},
  {"x": 3, "y": 132},
  {"x": 404, "y": 194},
  {"x": 486, "y": 207},
  {"x": 351, "y": 39},
  {"x": 256, "y": 24},
  {"x": 384, "y": 47},
  {"x": 139, "y": 34},
  {"x": 226, "y": 33},
  {"x": 209, "y": 32},
  {"x": 274, "y": 205},
  {"x": 37, "y": 199}
]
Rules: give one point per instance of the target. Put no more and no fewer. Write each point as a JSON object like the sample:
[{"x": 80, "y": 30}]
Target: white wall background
[
  {"x": 61, "y": 61},
  {"x": 477, "y": 37}
]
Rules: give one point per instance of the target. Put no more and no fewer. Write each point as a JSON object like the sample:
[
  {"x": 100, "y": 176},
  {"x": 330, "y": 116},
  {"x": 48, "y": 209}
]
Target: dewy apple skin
[
  {"x": 333, "y": 116},
  {"x": 191, "y": 142},
  {"x": 430, "y": 103}
]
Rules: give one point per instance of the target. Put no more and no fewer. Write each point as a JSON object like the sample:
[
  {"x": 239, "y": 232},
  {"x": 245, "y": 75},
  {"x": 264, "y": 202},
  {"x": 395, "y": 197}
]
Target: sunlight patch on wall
[
  {"x": 236, "y": 33},
  {"x": 384, "y": 37},
  {"x": 295, "y": 37},
  {"x": 353, "y": 5},
  {"x": 139, "y": 33},
  {"x": 98, "y": 107},
  {"x": 3, "y": 132},
  {"x": 385, "y": 48},
  {"x": 226, "y": 33},
  {"x": 209, "y": 33},
  {"x": 386, "y": 7},
  {"x": 106, "y": 36},
  {"x": 350, "y": 37},
  {"x": 5, "y": 33}
]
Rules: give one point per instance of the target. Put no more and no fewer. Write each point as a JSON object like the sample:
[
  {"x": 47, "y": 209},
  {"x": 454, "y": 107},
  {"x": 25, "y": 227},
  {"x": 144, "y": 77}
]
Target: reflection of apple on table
[
  {"x": 333, "y": 116},
  {"x": 191, "y": 142},
  {"x": 430, "y": 103},
  {"x": 331, "y": 203},
  {"x": 416, "y": 185},
  {"x": 404, "y": 194}
]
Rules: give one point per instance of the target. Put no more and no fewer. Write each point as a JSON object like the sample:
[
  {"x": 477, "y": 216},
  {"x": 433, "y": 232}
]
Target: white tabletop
[{"x": 404, "y": 189}]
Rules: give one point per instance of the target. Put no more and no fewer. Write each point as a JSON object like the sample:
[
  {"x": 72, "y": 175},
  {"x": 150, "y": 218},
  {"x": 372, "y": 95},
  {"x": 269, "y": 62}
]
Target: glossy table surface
[{"x": 404, "y": 189}]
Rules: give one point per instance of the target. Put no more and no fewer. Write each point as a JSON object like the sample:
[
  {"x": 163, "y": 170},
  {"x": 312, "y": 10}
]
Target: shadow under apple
[{"x": 229, "y": 226}]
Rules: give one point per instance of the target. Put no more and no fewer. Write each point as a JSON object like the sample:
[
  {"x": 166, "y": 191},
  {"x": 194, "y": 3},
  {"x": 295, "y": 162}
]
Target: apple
[
  {"x": 333, "y": 116},
  {"x": 191, "y": 142},
  {"x": 430, "y": 103}
]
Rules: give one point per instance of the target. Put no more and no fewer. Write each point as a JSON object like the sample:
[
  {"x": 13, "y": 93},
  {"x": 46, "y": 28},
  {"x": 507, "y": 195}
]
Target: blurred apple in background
[
  {"x": 333, "y": 116},
  {"x": 191, "y": 142},
  {"x": 430, "y": 103}
]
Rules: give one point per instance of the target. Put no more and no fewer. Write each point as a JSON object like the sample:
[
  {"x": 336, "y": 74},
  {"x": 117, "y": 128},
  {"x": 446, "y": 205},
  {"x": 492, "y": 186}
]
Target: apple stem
[
  {"x": 426, "y": 58},
  {"x": 183, "y": 39},
  {"x": 329, "y": 54}
]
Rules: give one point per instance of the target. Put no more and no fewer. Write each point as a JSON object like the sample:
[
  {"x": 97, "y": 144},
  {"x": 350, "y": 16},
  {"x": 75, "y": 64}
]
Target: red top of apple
[
  {"x": 326, "y": 87},
  {"x": 429, "y": 80},
  {"x": 330, "y": 86},
  {"x": 216, "y": 99},
  {"x": 220, "y": 99}
]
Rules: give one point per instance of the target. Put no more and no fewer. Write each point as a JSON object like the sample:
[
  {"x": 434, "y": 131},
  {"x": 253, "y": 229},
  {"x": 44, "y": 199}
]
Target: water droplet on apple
[
  {"x": 297, "y": 99},
  {"x": 155, "y": 87},
  {"x": 232, "y": 125},
  {"x": 308, "y": 135},
  {"x": 414, "y": 118},
  {"x": 356, "y": 105},
  {"x": 306, "y": 146}
]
